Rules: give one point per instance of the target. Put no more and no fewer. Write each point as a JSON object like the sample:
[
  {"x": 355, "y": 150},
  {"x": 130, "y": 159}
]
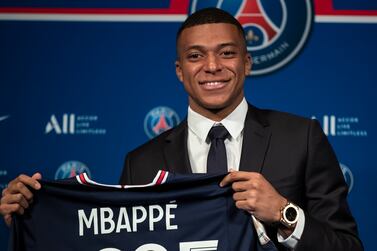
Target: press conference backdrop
[{"x": 84, "y": 82}]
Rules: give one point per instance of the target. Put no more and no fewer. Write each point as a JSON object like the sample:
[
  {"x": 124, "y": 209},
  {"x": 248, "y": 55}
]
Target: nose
[{"x": 212, "y": 64}]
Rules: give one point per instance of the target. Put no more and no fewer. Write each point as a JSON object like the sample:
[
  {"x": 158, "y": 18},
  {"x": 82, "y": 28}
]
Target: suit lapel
[
  {"x": 175, "y": 150},
  {"x": 256, "y": 138}
]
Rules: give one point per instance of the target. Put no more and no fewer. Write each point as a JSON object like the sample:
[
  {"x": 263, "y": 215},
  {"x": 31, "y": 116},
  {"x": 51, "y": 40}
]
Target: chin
[{"x": 215, "y": 105}]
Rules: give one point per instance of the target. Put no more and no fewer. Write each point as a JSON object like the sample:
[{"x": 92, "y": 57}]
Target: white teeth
[{"x": 213, "y": 83}]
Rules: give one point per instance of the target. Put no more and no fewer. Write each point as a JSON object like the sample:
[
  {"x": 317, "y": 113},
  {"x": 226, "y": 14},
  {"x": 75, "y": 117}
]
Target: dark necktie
[{"x": 216, "y": 161}]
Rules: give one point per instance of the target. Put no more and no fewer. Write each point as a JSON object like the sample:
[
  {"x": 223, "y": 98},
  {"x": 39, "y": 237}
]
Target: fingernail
[
  {"x": 221, "y": 184},
  {"x": 37, "y": 186}
]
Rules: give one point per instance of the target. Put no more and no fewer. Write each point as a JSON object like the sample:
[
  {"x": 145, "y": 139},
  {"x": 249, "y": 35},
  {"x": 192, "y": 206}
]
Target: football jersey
[{"x": 174, "y": 212}]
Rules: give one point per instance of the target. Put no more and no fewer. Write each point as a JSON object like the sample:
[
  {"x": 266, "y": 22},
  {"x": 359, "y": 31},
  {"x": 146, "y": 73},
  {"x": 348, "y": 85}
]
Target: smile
[{"x": 215, "y": 84}]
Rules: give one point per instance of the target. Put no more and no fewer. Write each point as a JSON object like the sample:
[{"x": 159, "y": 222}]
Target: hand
[
  {"x": 256, "y": 195},
  {"x": 17, "y": 196}
]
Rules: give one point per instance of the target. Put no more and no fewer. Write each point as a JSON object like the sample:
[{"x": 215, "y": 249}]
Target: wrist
[
  {"x": 282, "y": 204},
  {"x": 284, "y": 231}
]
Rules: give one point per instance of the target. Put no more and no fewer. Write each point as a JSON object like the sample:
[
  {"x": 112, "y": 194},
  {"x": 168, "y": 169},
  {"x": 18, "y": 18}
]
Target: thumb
[{"x": 37, "y": 176}]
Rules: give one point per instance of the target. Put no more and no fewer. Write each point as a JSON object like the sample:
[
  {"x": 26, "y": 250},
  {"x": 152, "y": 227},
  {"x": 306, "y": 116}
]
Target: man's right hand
[{"x": 17, "y": 196}]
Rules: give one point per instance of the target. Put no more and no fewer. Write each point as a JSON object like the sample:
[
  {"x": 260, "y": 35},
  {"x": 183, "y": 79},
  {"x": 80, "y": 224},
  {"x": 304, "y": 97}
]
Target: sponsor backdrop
[{"x": 84, "y": 82}]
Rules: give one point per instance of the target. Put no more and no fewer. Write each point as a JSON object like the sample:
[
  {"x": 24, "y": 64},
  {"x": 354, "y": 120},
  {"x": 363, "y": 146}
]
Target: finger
[
  {"x": 8, "y": 219},
  {"x": 247, "y": 205},
  {"x": 15, "y": 199},
  {"x": 12, "y": 208},
  {"x": 246, "y": 195},
  {"x": 5, "y": 190},
  {"x": 20, "y": 187},
  {"x": 240, "y": 186},
  {"x": 37, "y": 176},
  {"x": 26, "y": 180},
  {"x": 234, "y": 176}
]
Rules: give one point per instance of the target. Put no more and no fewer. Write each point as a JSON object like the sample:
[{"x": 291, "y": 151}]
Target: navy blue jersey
[{"x": 180, "y": 213}]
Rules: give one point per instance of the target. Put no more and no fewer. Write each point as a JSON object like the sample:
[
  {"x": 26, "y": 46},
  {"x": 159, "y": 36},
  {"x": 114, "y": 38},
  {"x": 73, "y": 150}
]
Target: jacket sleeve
[{"x": 329, "y": 224}]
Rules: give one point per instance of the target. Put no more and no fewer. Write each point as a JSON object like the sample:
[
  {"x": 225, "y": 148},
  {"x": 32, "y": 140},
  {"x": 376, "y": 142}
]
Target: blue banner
[{"x": 84, "y": 82}]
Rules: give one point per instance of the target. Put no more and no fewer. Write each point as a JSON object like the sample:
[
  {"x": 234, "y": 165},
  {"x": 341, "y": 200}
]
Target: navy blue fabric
[
  {"x": 217, "y": 161},
  {"x": 204, "y": 212}
]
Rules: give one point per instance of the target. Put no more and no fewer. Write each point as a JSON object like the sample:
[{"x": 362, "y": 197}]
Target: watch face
[{"x": 291, "y": 214}]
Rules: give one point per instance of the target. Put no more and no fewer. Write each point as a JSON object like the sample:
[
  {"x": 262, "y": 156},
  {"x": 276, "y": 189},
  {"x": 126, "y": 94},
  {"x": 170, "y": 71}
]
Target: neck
[{"x": 215, "y": 114}]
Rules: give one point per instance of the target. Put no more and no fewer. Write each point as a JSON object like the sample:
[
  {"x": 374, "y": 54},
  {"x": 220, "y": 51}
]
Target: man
[{"x": 282, "y": 168}]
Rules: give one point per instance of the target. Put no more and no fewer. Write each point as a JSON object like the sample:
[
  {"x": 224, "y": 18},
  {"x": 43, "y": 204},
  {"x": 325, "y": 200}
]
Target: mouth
[{"x": 214, "y": 84}]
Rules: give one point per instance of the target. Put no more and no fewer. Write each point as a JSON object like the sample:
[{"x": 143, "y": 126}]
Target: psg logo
[
  {"x": 276, "y": 30},
  {"x": 159, "y": 120},
  {"x": 70, "y": 169}
]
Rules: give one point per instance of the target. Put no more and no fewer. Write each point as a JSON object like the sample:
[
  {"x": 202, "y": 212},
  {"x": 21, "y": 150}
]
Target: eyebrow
[{"x": 220, "y": 46}]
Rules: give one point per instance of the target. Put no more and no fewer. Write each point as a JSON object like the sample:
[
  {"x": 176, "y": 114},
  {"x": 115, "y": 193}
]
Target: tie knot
[{"x": 218, "y": 132}]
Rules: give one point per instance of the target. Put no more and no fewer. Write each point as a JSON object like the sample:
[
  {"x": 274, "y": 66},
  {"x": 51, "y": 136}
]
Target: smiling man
[{"x": 282, "y": 168}]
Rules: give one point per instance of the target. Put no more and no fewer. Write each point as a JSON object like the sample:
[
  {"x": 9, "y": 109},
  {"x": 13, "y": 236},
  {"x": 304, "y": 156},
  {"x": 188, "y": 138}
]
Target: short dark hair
[{"x": 210, "y": 16}]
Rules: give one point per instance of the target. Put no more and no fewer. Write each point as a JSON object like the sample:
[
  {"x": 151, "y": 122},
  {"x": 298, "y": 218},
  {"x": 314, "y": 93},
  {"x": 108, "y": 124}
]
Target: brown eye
[
  {"x": 193, "y": 56},
  {"x": 228, "y": 53}
]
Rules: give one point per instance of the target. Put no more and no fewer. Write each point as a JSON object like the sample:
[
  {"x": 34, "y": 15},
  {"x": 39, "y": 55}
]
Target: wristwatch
[{"x": 289, "y": 215}]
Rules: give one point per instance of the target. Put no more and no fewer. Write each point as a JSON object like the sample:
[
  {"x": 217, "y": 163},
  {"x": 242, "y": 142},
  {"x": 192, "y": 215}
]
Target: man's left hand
[{"x": 255, "y": 194}]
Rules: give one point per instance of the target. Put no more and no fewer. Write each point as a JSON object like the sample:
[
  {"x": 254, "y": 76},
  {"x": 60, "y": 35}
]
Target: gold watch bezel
[{"x": 283, "y": 217}]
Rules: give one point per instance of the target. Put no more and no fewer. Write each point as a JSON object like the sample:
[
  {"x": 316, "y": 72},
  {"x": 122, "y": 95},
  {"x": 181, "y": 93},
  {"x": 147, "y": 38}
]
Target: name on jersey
[{"x": 106, "y": 220}]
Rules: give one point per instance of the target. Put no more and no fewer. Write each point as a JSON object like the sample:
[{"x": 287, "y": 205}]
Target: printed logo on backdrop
[
  {"x": 348, "y": 176},
  {"x": 342, "y": 126},
  {"x": 70, "y": 169},
  {"x": 159, "y": 120},
  {"x": 276, "y": 30},
  {"x": 74, "y": 124}
]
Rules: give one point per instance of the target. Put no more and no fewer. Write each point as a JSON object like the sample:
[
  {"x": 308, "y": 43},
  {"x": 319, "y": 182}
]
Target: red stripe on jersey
[
  {"x": 161, "y": 177},
  {"x": 82, "y": 178}
]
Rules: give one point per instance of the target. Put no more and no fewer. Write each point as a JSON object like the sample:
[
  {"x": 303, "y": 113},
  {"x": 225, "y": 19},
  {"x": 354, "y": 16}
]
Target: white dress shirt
[{"x": 198, "y": 148}]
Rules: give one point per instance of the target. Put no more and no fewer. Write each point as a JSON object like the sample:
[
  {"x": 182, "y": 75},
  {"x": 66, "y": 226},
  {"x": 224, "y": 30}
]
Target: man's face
[{"x": 212, "y": 65}]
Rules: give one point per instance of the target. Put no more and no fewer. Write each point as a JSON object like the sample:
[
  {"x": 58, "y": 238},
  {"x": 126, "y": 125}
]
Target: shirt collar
[{"x": 234, "y": 122}]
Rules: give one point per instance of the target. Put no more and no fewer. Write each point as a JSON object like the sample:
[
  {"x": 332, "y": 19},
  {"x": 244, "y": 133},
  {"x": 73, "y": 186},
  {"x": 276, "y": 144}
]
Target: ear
[
  {"x": 248, "y": 64},
  {"x": 178, "y": 70}
]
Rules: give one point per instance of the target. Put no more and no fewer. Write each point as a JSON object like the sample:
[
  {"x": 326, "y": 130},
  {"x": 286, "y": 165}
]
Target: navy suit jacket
[{"x": 291, "y": 152}]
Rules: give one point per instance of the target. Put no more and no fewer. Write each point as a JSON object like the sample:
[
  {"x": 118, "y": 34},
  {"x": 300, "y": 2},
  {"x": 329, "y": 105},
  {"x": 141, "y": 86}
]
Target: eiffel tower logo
[
  {"x": 161, "y": 125},
  {"x": 252, "y": 14}
]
